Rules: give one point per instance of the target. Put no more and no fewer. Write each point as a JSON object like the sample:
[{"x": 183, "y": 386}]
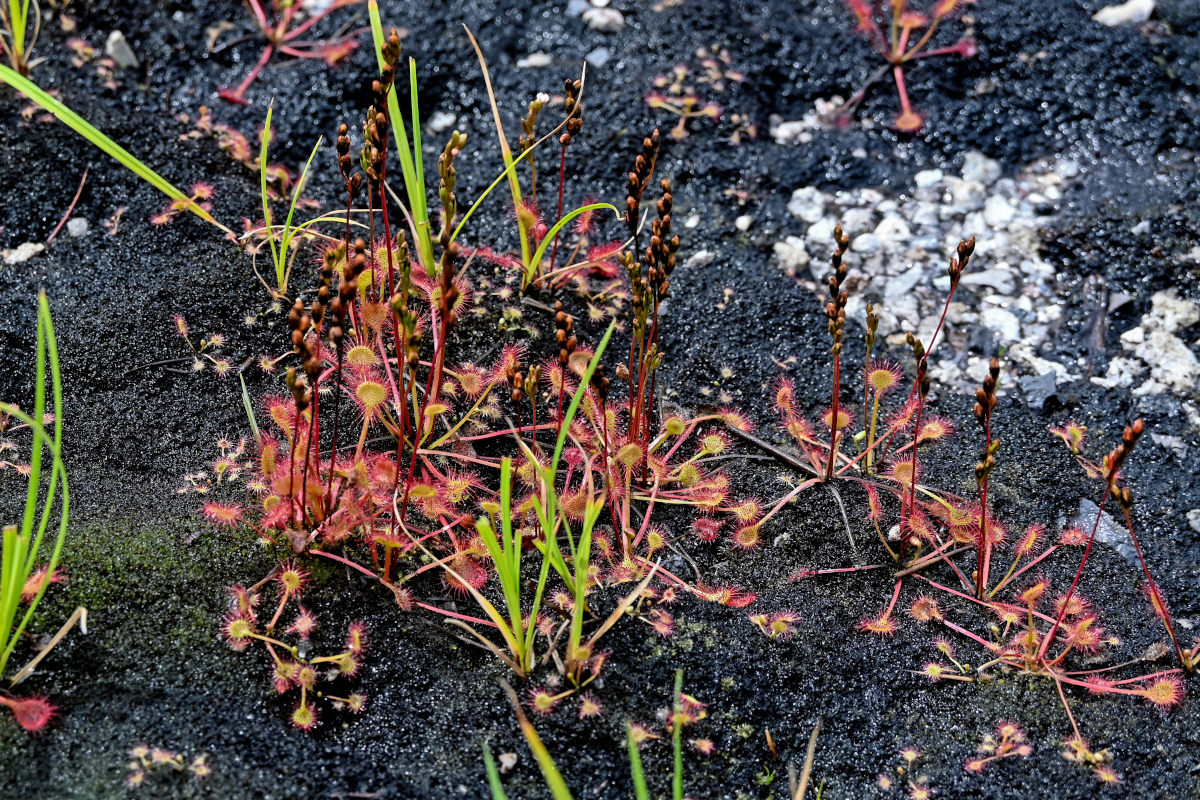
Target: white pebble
[
  {"x": 605, "y": 20},
  {"x": 534, "y": 60},
  {"x": 1130, "y": 12},
  {"x": 978, "y": 167},
  {"x": 807, "y": 204},
  {"x": 118, "y": 49},
  {"x": 998, "y": 212}
]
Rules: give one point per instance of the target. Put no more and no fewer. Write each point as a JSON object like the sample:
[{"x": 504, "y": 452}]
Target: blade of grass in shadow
[
  {"x": 640, "y": 790},
  {"x": 493, "y": 774},
  {"x": 554, "y": 779},
  {"x": 514, "y": 184},
  {"x": 96, "y": 137},
  {"x": 798, "y": 790},
  {"x": 531, "y": 268},
  {"x": 249, "y": 407}
]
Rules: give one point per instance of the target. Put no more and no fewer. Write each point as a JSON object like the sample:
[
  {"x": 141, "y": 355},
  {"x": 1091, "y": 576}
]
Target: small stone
[
  {"x": 902, "y": 284},
  {"x": 692, "y": 221},
  {"x": 928, "y": 177},
  {"x": 1108, "y": 532},
  {"x": 442, "y": 121},
  {"x": 576, "y": 8},
  {"x": 1022, "y": 353},
  {"x": 743, "y": 222},
  {"x": 600, "y": 3},
  {"x": 534, "y": 60},
  {"x": 1121, "y": 373},
  {"x": 870, "y": 197},
  {"x": 605, "y": 20},
  {"x": 1140, "y": 228},
  {"x": 1118, "y": 300},
  {"x": 998, "y": 212},
  {"x": 1133, "y": 11},
  {"x": 1133, "y": 337},
  {"x": 700, "y": 259},
  {"x": 598, "y": 57},
  {"x": 1002, "y": 322},
  {"x": 1171, "y": 362},
  {"x": 76, "y": 227},
  {"x": 1066, "y": 168},
  {"x": 965, "y": 196},
  {"x": 925, "y": 214},
  {"x": 866, "y": 243},
  {"x": 794, "y": 131},
  {"x": 893, "y": 232},
  {"x": 1175, "y": 444},
  {"x": 1039, "y": 388},
  {"x": 1193, "y": 518},
  {"x": 978, "y": 167},
  {"x": 999, "y": 279},
  {"x": 856, "y": 220},
  {"x": 1170, "y": 313},
  {"x": 792, "y": 256},
  {"x": 821, "y": 231},
  {"x": 807, "y": 204},
  {"x": 22, "y": 253},
  {"x": 119, "y": 51}
]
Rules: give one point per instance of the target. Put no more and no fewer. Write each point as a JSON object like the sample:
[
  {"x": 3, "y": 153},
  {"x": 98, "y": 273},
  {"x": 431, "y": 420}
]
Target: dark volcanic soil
[{"x": 152, "y": 669}]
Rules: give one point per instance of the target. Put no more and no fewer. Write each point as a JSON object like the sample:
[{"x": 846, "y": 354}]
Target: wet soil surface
[{"x": 152, "y": 669}]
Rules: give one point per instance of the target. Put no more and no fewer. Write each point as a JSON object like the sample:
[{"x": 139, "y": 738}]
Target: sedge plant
[
  {"x": 282, "y": 253},
  {"x": 31, "y": 550}
]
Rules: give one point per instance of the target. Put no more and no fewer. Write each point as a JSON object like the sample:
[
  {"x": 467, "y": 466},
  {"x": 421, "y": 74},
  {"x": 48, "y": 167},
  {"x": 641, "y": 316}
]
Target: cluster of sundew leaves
[{"x": 294, "y": 667}]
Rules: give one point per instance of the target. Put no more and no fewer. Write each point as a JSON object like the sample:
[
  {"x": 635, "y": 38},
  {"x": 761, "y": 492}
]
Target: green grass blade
[
  {"x": 493, "y": 774},
  {"x": 415, "y": 121},
  {"x": 46, "y": 334},
  {"x": 554, "y": 779},
  {"x": 551, "y": 495},
  {"x": 288, "y": 232},
  {"x": 11, "y": 582},
  {"x": 548, "y": 516},
  {"x": 276, "y": 259},
  {"x": 39, "y": 413},
  {"x": 18, "y": 15},
  {"x": 582, "y": 561},
  {"x": 96, "y": 137},
  {"x": 414, "y": 189},
  {"x": 531, "y": 269},
  {"x": 479, "y": 201},
  {"x": 19, "y": 554},
  {"x": 249, "y": 407},
  {"x": 507, "y": 558},
  {"x": 640, "y": 790}
]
